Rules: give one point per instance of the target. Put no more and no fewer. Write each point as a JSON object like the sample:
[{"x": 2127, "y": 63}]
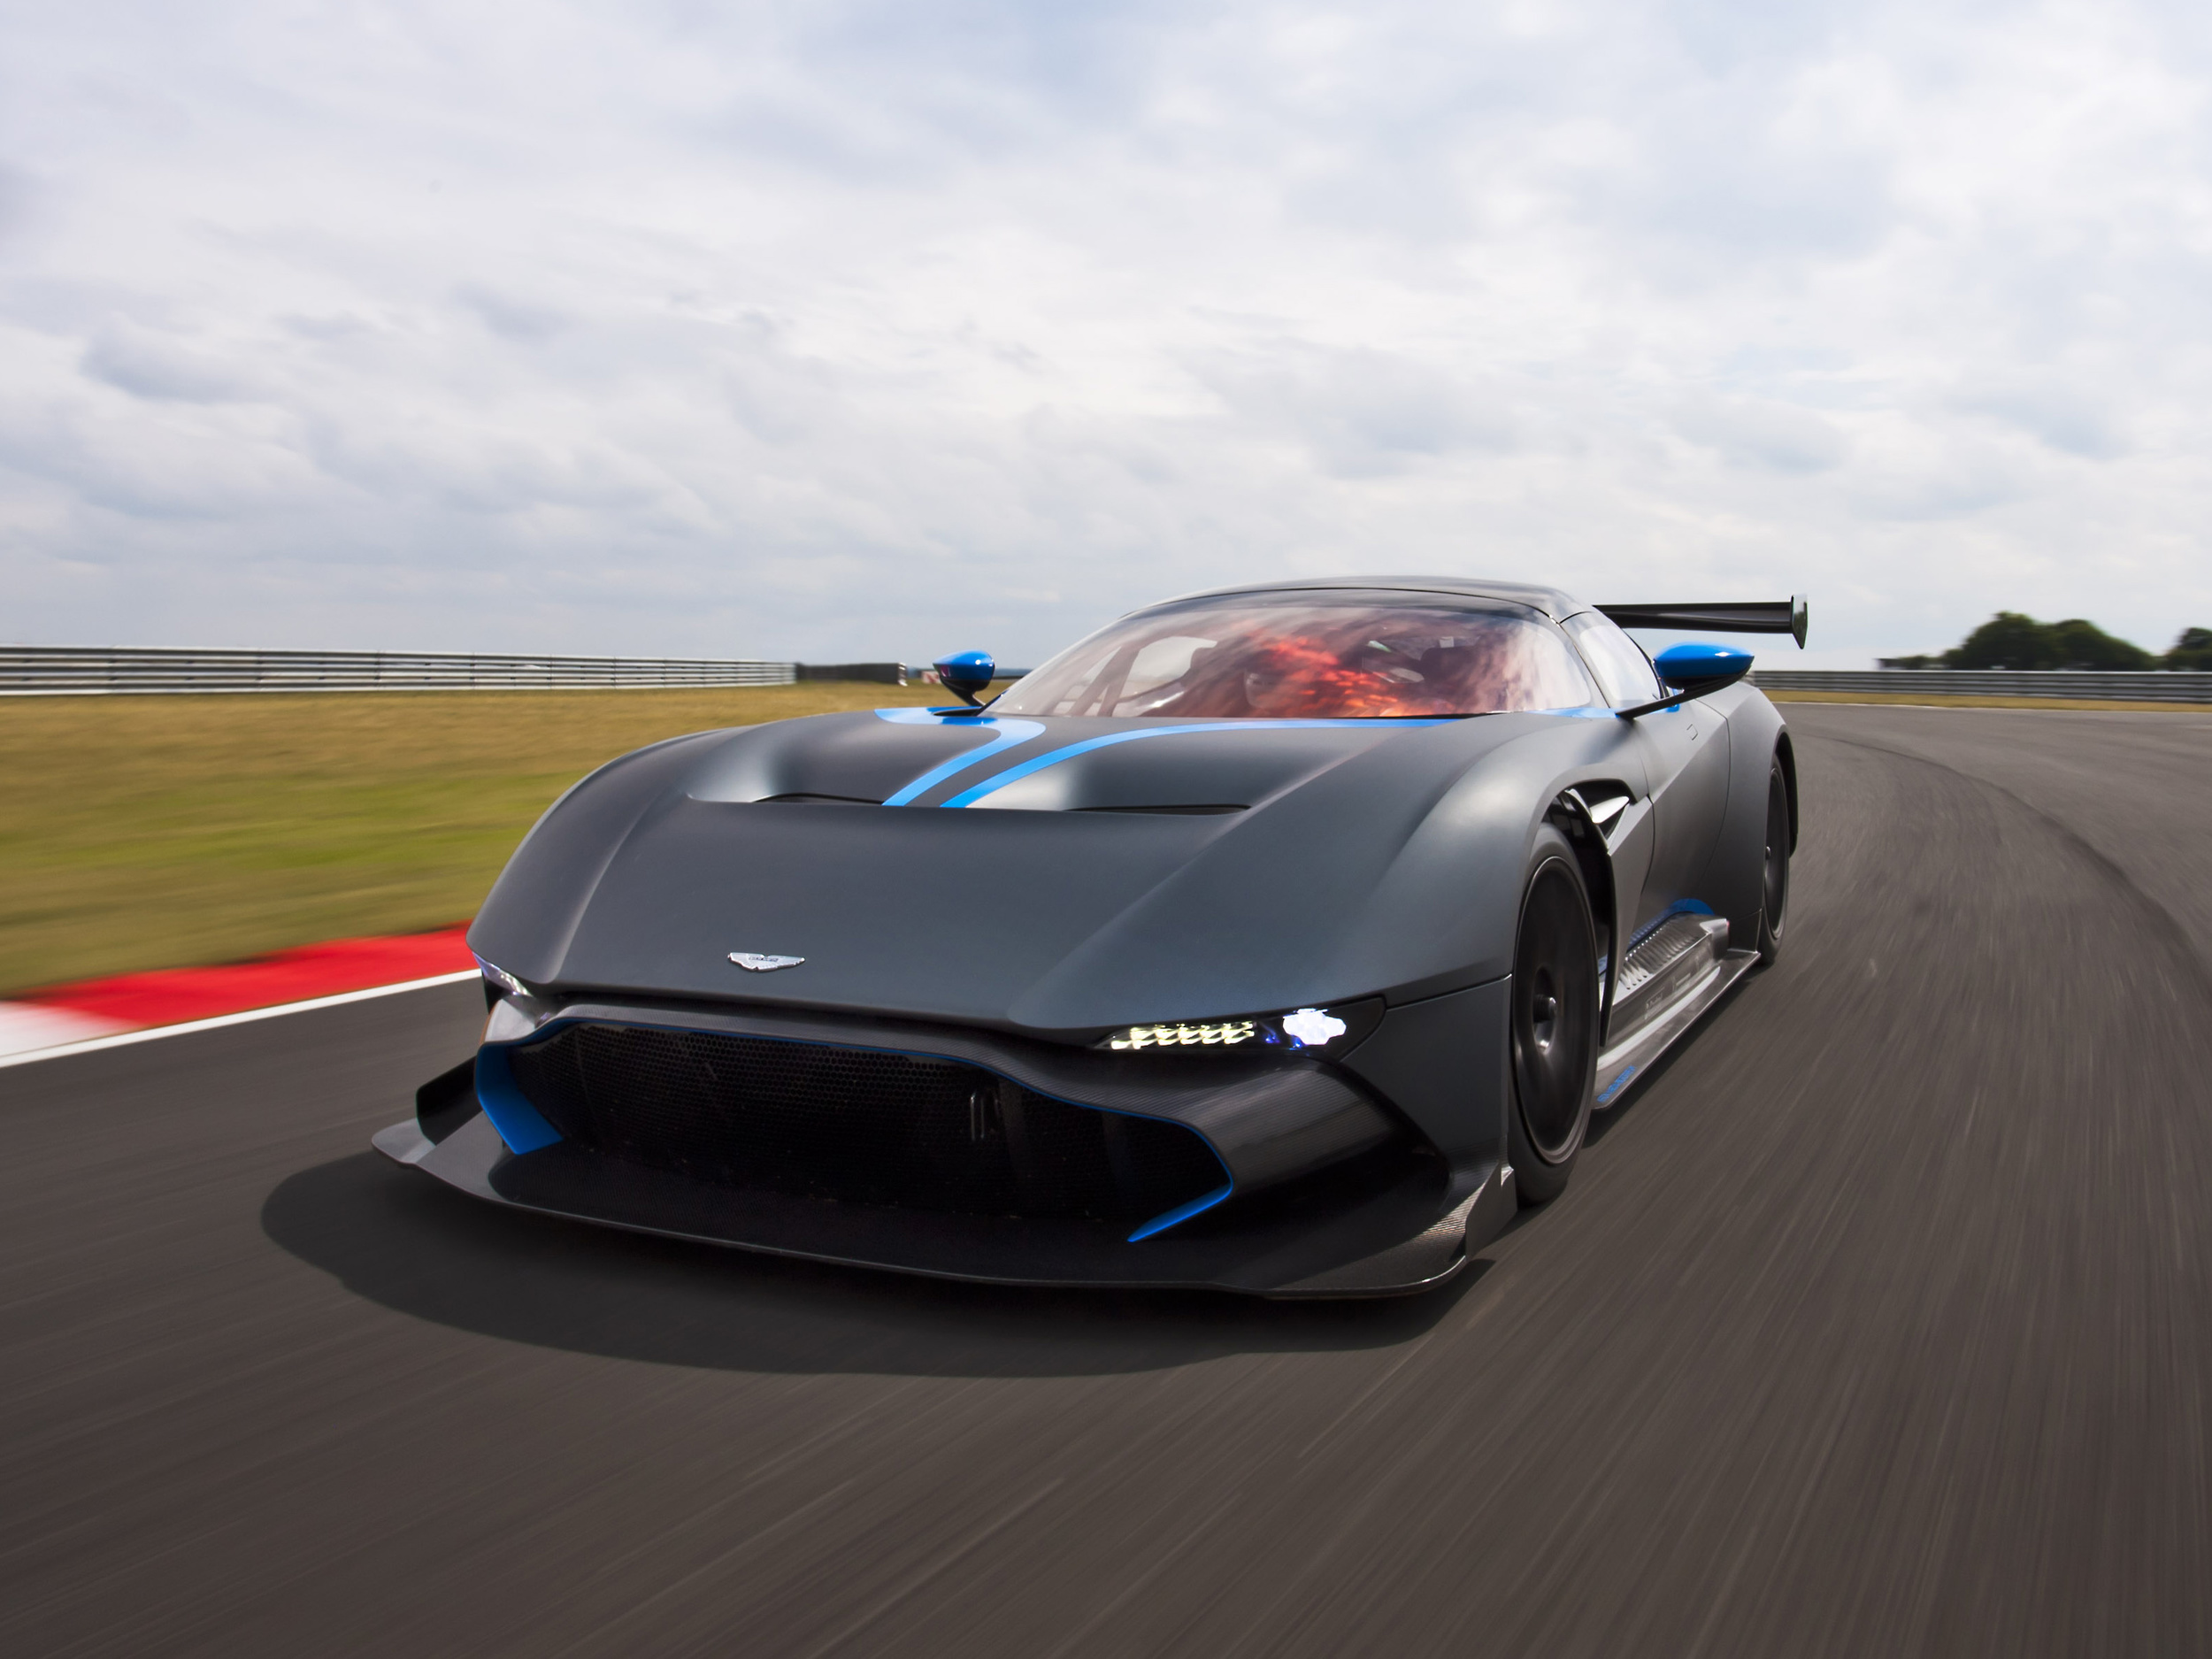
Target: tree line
[{"x": 2010, "y": 640}]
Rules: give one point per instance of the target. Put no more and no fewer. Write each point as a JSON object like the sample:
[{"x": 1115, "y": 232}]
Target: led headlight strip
[
  {"x": 1304, "y": 1028},
  {"x": 1226, "y": 1033}
]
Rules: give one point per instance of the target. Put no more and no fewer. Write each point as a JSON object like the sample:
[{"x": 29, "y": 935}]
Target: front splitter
[{"x": 1390, "y": 1237}]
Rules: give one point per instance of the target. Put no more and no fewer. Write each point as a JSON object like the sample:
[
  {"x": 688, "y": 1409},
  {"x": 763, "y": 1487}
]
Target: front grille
[{"x": 855, "y": 1126}]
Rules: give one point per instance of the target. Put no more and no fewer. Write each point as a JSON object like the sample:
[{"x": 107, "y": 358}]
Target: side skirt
[{"x": 1633, "y": 1054}]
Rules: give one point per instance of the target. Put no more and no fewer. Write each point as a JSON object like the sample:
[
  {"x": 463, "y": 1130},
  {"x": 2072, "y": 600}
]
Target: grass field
[{"x": 150, "y": 831}]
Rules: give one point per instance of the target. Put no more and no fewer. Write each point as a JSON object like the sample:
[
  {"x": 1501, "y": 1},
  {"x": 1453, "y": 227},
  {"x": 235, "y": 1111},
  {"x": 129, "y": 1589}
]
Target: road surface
[{"x": 1879, "y": 1322}]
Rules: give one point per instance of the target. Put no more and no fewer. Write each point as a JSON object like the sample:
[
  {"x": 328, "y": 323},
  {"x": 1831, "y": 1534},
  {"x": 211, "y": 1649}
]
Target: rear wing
[{"x": 1782, "y": 616}]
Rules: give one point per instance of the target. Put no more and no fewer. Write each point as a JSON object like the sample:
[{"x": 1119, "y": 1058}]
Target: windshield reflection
[{"x": 1261, "y": 656}]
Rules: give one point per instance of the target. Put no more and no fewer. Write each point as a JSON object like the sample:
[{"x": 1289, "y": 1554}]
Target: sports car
[{"x": 1279, "y": 938}]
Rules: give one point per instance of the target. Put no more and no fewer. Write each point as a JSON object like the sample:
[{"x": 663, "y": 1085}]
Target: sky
[{"x": 865, "y": 331}]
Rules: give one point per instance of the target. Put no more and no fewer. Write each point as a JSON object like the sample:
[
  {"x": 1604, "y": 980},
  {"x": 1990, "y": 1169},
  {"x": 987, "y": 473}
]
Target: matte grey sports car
[{"x": 1278, "y": 938}]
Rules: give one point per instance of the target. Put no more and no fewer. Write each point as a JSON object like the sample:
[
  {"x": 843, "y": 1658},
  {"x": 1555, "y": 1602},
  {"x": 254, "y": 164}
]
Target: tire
[
  {"x": 1774, "y": 871},
  {"x": 1553, "y": 1022}
]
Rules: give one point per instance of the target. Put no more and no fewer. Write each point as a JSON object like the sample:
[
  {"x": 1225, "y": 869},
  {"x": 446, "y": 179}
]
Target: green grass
[{"x": 150, "y": 831}]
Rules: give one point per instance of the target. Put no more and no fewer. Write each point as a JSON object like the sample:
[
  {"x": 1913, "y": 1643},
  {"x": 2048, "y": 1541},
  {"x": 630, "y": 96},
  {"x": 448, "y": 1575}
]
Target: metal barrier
[
  {"x": 52, "y": 670},
  {"x": 873, "y": 673},
  {"x": 59, "y": 670},
  {"x": 2155, "y": 686}
]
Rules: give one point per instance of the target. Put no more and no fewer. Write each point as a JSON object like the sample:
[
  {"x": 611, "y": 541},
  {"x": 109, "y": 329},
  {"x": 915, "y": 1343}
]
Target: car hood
[{"x": 1049, "y": 875}]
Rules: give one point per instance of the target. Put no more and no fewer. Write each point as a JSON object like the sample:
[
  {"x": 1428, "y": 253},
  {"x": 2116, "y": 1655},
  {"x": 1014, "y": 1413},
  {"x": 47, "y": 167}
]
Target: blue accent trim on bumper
[
  {"x": 515, "y": 1117},
  {"x": 1180, "y": 1213},
  {"x": 1004, "y": 734},
  {"x": 1617, "y": 1084}
]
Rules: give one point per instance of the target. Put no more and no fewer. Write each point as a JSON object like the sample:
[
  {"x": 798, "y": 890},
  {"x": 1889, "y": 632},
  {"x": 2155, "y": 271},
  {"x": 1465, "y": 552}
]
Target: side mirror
[
  {"x": 965, "y": 674},
  {"x": 1693, "y": 671},
  {"x": 1700, "y": 668}
]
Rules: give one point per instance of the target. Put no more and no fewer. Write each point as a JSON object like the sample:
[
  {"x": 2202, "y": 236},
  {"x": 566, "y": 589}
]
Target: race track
[{"x": 1879, "y": 1323}]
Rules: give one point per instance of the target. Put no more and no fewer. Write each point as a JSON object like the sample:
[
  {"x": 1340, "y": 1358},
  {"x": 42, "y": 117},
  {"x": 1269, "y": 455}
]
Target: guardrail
[
  {"x": 64, "y": 669},
  {"x": 2155, "y": 686}
]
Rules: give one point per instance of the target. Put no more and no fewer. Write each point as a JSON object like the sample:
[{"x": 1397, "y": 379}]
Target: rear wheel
[
  {"x": 1554, "y": 1022},
  {"x": 1774, "y": 875}
]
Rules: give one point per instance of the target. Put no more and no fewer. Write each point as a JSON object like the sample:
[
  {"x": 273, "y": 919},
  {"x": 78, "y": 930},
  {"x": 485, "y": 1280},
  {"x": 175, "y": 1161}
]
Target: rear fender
[{"x": 1732, "y": 884}]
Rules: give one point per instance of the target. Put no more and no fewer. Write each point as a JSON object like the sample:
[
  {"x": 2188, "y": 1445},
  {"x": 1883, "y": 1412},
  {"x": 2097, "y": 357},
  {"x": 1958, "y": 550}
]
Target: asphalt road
[{"x": 1878, "y": 1323}]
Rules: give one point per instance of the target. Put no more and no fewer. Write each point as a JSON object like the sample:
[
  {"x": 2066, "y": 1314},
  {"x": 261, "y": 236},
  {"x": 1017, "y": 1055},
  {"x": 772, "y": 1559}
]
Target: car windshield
[{"x": 1312, "y": 656}]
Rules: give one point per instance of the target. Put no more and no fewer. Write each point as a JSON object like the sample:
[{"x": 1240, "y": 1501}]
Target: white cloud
[{"x": 858, "y": 330}]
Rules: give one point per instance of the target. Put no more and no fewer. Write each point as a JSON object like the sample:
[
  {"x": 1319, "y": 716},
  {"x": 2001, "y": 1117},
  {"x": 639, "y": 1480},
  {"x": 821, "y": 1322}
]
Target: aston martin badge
[{"x": 759, "y": 963}]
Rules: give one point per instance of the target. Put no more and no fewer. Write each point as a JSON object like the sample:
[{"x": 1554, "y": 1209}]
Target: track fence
[
  {"x": 66, "y": 670},
  {"x": 2154, "y": 687}
]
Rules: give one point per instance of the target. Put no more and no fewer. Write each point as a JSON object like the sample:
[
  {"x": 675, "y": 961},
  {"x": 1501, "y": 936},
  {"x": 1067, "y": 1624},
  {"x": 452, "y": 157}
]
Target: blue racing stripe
[
  {"x": 1005, "y": 734},
  {"x": 969, "y": 797}
]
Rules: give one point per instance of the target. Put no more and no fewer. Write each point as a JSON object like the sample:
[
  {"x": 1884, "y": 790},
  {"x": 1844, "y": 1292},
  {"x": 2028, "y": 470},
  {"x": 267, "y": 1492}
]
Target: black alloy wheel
[
  {"x": 1555, "y": 1023},
  {"x": 1774, "y": 875}
]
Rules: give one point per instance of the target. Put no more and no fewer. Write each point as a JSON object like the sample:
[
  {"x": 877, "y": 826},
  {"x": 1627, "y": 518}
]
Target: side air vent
[{"x": 1604, "y": 801}]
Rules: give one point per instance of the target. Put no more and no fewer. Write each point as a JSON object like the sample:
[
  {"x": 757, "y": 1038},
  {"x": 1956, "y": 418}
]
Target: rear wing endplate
[{"x": 1782, "y": 616}]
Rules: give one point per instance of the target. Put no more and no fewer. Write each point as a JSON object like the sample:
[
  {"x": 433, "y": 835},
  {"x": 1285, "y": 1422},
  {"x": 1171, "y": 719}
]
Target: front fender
[
  {"x": 534, "y": 908},
  {"x": 1443, "y": 915}
]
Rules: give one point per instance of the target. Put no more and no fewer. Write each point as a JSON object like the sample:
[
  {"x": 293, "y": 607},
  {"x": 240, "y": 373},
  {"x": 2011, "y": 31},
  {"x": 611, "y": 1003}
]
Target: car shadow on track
[{"x": 402, "y": 1241}]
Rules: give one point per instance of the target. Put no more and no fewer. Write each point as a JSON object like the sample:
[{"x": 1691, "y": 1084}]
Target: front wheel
[
  {"x": 1774, "y": 874},
  {"x": 1554, "y": 1022}
]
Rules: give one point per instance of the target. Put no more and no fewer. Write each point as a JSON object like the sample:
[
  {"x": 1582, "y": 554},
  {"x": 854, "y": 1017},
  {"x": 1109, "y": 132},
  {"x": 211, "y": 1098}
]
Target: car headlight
[
  {"x": 515, "y": 1011},
  {"x": 1331, "y": 1030},
  {"x": 503, "y": 980},
  {"x": 515, "y": 1017}
]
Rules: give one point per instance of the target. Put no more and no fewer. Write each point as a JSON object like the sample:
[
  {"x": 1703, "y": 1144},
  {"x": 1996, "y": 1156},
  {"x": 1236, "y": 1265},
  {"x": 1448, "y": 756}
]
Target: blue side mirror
[
  {"x": 965, "y": 674},
  {"x": 1702, "y": 668}
]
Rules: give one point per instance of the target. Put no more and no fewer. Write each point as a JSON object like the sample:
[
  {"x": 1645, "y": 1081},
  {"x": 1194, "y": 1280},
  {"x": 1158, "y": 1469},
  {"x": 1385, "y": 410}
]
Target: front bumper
[
  {"x": 1382, "y": 1236},
  {"x": 1331, "y": 1193}
]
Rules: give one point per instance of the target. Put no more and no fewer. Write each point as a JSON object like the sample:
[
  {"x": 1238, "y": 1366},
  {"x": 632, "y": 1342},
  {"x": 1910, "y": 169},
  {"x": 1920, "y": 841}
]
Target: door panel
[{"x": 1685, "y": 751}]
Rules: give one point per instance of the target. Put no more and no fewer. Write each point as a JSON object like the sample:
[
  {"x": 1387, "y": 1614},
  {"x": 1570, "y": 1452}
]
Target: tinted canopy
[{"x": 1309, "y": 655}]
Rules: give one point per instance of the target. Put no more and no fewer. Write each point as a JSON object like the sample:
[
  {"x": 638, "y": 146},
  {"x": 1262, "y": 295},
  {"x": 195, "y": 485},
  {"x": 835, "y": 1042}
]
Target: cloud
[
  {"x": 866, "y": 329},
  {"x": 1762, "y": 433},
  {"x": 1357, "y": 411},
  {"x": 15, "y": 201},
  {"x": 2072, "y": 419},
  {"x": 147, "y": 364}
]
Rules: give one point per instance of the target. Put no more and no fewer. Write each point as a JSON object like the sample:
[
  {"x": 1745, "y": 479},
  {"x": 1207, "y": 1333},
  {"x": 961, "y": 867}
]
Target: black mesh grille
[{"x": 859, "y": 1127}]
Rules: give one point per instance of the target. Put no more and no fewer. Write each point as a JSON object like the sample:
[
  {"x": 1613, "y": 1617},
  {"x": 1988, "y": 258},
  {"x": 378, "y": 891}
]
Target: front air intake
[{"x": 855, "y": 1126}]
